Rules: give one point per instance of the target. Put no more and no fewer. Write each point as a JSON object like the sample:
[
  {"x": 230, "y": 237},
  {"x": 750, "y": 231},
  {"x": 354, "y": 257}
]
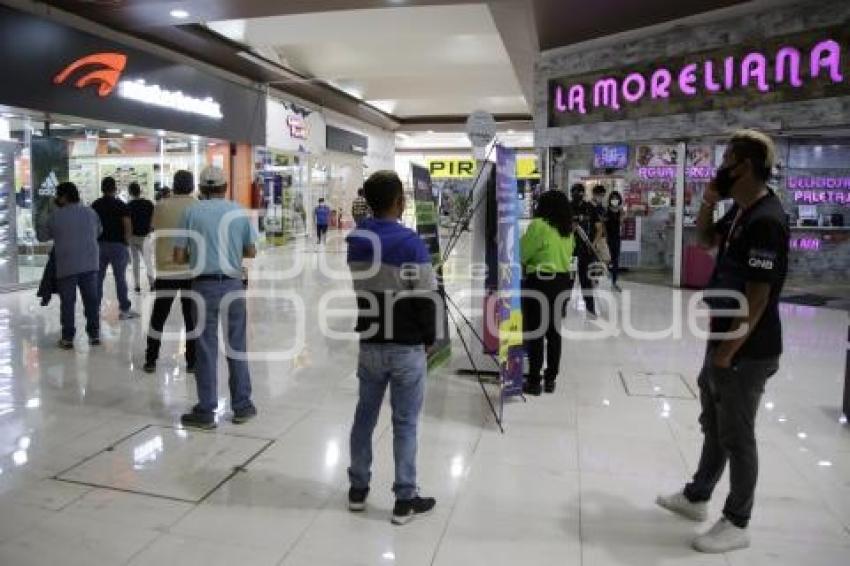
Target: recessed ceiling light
[
  {"x": 76, "y": 125},
  {"x": 128, "y": 135},
  {"x": 179, "y": 14},
  {"x": 57, "y": 125},
  {"x": 211, "y": 144}
]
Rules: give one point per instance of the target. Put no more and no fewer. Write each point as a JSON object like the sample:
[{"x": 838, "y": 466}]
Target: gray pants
[
  {"x": 730, "y": 399},
  {"x": 139, "y": 253}
]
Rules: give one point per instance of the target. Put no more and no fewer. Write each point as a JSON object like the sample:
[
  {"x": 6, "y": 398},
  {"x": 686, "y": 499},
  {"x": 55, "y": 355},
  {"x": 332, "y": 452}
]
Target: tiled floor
[{"x": 572, "y": 481}]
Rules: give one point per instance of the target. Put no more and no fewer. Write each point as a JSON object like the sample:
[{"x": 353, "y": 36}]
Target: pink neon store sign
[
  {"x": 816, "y": 190},
  {"x": 790, "y": 67}
]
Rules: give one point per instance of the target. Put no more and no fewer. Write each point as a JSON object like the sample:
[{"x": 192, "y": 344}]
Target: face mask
[
  {"x": 615, "y": 204},
  {"x": 724, "y": 181},
  {"x": 578, "y": 197}
]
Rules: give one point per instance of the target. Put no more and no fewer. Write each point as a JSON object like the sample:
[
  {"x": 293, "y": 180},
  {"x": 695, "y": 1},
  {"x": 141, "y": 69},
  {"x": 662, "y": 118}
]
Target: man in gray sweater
[{"x": 74, "y": 229}]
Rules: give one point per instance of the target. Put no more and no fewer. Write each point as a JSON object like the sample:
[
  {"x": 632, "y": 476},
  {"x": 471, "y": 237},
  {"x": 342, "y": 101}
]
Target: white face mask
[{"x": 615, "y": 204}]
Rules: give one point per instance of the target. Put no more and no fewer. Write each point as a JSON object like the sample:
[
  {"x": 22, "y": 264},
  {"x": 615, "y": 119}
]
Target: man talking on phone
[{"x": 752, "y": 242}]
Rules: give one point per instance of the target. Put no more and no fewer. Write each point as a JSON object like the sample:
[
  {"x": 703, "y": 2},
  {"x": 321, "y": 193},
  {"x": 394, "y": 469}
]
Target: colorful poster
[
  {"x": 427, "y": 225},
  {"x": 509, "y": 312},
  {"x": 49, "y": 168}
]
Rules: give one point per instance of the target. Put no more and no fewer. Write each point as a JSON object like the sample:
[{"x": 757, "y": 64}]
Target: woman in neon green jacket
[{"x": 546, "y": 251}]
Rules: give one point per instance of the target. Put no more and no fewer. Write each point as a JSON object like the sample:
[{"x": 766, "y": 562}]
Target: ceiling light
[
  {"x": 511, "y": 132},
  {"x": 113, "y": 130},
  {"x": 128, "y": 135},
  {"x": 211, "y": 144},
  {"x": 8, "y": 115},
  {"x": 77, "y": 125},
  {"x": 431, "y": 132},
  {"x": 160, "y": 133},
  {"x": 179, "y": 14},
  {"x": 57, "y": 125}
]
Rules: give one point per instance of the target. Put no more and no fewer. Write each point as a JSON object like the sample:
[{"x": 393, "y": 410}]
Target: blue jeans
[
  {"x": 116, "y": 255},
  {"x": 67, "y": 287},
  {"x": 206, "y": 348},
  {"x": 403, "y": 368}
]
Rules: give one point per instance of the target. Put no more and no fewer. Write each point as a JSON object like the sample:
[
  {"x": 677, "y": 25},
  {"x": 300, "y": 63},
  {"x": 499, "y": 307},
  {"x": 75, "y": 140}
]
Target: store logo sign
[
  {"x": 108, "y": 70},
  {"x": 297, "y": 126},
  {"x": 110, "y": 66},
  {"x": 763, "y": 72}
]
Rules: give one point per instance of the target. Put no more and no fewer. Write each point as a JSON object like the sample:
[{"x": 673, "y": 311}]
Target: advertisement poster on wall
[
  {"x": 49, "y": 168},
  {"x": 427, "y": 225},
  {"x": 509, "y": 311}
]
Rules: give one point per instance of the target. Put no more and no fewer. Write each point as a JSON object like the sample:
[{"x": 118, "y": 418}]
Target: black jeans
[
  {"x": 555, "y": 292},
  {"x": 161, "y": 309},
  {"x": 614, "y": 244},
  {"x": 730, "y": 400},
  {"x": 585, "y": 258},
  {"x": 321, "y": 232}
]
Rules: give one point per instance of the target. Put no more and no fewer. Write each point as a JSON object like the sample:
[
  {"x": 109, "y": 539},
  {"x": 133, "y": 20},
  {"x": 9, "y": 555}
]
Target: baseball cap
[{"x": 212, "y": 177}]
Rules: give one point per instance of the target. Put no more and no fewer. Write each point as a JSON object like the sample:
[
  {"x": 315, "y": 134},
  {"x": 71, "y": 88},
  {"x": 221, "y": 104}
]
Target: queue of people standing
[
  {"x": 742, "y": 353},
  {"x": 194, "y": 262}
]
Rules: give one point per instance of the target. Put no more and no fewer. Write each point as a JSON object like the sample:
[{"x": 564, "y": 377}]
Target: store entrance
[{"x": 38, "y": 151}]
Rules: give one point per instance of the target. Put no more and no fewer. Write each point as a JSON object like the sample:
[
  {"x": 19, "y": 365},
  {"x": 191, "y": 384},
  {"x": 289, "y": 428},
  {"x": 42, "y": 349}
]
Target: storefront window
[{"x": 38, "y": 152}]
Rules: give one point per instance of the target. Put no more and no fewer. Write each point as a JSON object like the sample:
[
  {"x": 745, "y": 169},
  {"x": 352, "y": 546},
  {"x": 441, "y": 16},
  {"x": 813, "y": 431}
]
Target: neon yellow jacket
[{"x": 544, "y": 250}]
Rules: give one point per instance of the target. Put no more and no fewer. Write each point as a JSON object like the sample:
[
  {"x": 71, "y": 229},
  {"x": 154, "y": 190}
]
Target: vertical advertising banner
[
  {"x": 49, "y": 168},
  {"x": 509, "y": 312},
  {"x": 427, "y": 225}
]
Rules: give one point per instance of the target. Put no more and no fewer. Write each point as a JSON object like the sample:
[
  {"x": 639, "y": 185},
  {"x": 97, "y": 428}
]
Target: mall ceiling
[{"x": 416, "y": 63}]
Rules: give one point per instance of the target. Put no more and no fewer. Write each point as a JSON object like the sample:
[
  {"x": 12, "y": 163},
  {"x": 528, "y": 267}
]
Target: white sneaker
[
  {"x": 127, "y": 315},
  {"x": 680, "y": 505},
  {"x": 722, "y": 537}
]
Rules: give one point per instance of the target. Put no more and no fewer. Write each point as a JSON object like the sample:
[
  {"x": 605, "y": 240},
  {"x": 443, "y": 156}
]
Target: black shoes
[
  {"x": 244, "y": 415},
  {"x": 357, "y": 499},
  {"x": 549, "y": 385},
  {"x": 406, "y": 510},
  {"x": 532, "y": 386},
  {"x": 198, "y": 420},
  {"x": 149, "y": 367},
  {"x": 94, "y": 340}
]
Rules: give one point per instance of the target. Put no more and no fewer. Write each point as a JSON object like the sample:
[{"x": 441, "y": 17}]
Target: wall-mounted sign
[
  {"x": 800, "y": 67},
  {"x": 818, "y": 183},
  {"x": 120, "y": 84},
  {"x": 464, "y": 167},
  {"x": 346, "y": 141},
  {"x": 828, "y": 197},
  {"x": 297, "y": 126},
  {"x": 806, "y": 244},
  {"x": 107, "y": 70},
  {"x": 611, "y": 156}
]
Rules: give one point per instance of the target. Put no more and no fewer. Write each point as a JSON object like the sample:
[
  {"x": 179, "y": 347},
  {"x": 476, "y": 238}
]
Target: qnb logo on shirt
[
  {"x": 108, "y": 69},
  {"x": 762, "y": 259}
]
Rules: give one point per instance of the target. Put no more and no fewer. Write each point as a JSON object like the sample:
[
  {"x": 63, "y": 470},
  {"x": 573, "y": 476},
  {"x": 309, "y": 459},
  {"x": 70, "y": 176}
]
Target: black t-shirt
[
  {"x": 754, "y": 248},
  {"x": 613, "y": 220},
  {"x": 587, "y": 215},
  {"x": 141, "y": 212},
  {"x": 112, "y": 212}
]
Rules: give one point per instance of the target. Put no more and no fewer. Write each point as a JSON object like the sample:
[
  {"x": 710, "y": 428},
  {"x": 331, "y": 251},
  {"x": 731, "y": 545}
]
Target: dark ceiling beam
[{"x": 566, "y": 22}]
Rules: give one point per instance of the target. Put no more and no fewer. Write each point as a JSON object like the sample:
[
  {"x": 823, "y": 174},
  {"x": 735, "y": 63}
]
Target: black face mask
[
  {"x": 724, "y": 181},
  {"x": 578, "y": 197}
]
